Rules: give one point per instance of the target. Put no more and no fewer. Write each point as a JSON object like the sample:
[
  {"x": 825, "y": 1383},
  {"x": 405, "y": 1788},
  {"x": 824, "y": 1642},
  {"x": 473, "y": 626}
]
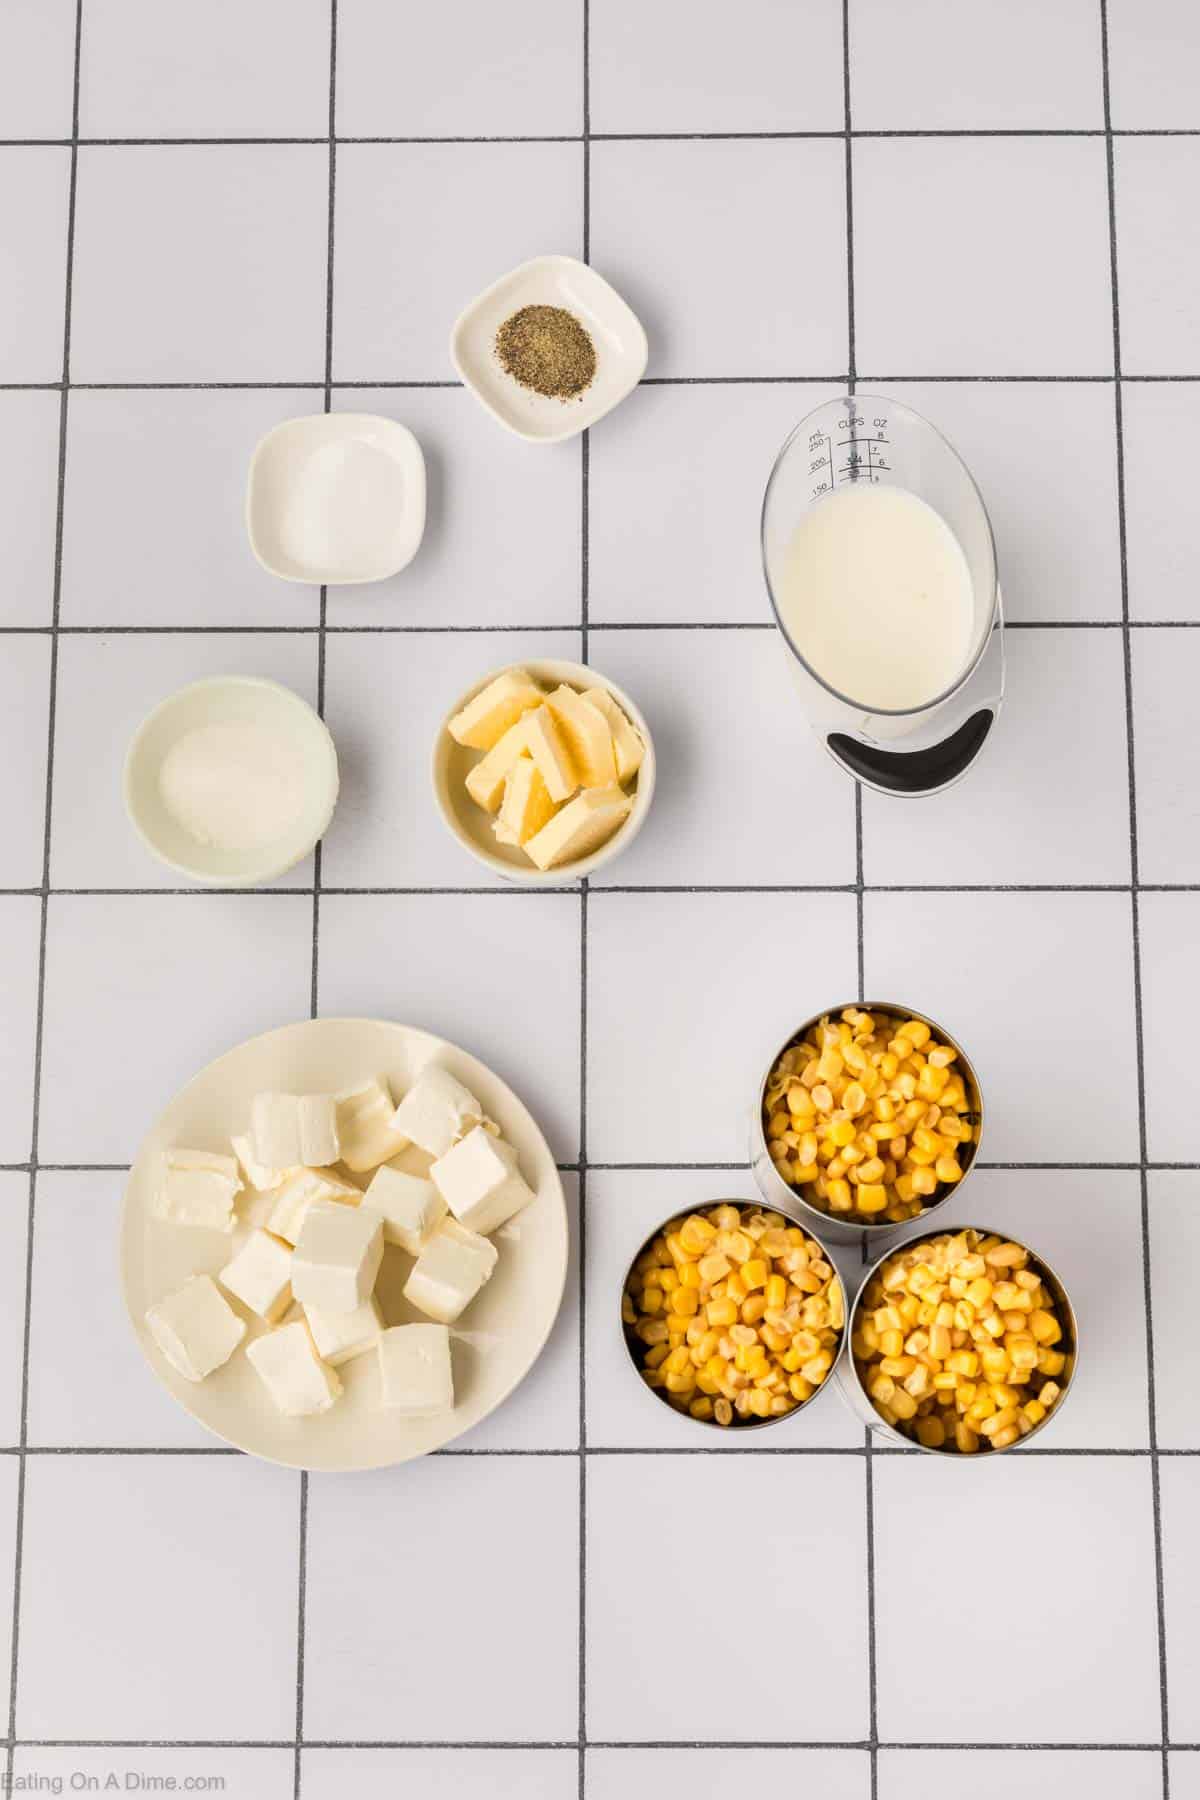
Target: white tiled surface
[{"x": 518, "y": 1617}]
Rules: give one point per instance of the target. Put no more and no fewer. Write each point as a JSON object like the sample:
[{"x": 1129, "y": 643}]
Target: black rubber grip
[{"x": 914, "y": 771}]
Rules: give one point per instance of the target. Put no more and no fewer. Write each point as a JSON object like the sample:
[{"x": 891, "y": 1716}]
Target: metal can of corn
[
  {"x": 848, "y": 1370},
  {"x": 799, "y": 1201}
]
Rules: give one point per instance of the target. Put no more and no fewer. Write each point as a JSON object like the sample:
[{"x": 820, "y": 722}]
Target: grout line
[
  {"x": 524, "y": 1744},
  {"x": 265, "y": 630},
  {"x": 607, "y": 137},
  {"x": 727, "y": 1448}
]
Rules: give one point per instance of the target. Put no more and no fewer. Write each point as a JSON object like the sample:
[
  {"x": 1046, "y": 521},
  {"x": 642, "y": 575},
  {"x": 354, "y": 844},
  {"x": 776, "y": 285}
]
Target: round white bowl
[
  {"x": 473, "y": 827},
  {"x": 229, "y": 699}
]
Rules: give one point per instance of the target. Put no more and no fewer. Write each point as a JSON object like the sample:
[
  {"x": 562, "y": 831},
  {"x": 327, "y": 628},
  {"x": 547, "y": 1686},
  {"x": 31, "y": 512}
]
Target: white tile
[
  {"x": 33, "y": 260},
  {"x": 1048, "y": 801},
  {"x": 1153, "y": 64},
  {"x": 1166, "y": 665},
  {"x": 1001, "y": 65},
  {"x": 1180, "y": 1491},
  {"x": 1088, "y": 1226},
  {"x": 106, "y": 686},
  {"x": 422, "y": 228},
  {"x": 431, "y": 1774},
  {"x": 28, "y": 505},
  {"x": 89, "y": 1384},
  {"x": 1162, "y": 550},
  {"x": 462, "y": 1550},
  {"x": 37, "y": 59},
  {"x": 999, "y": 1774},
  {"x": 8, "y": 1533},
  {"x": 14, "y": 1216},
  {"x": 684, "y": 1774},
  {"x": 1045, "y": 457},
  {"x": 385, "y": 700},
  {"x": 543, "y": 1414},
  {"x": 623, "y": 1208},
  {"x": 691, "y": 556},
  {"x": 1174, "y": 1196},
  {"x": 731, "y": 740},
  {"x": 1170, "y": 924},
  {"x": 468, "y": 71},
  {"x": 239, "y": 1774},
  {"x": 678, "y": 67},
  {"x": 228, "y": 285},
  {"x": 469, "y": 967},
  {"x": 153, "y": 529},
  {"x": 208, "y": 68},
  {"x": 1185, "y": 1774},
  {"x": 652, "y": 1526},
  {"x": 185, "y": 1625},
  {"x": 1156, "y": 254},
  {"x": 1014, "y": 978},
  {"x": 947, "y": 233},
  {"x": 503, "y": 525},
  {"x": 24, "y": 718},
  {"x": 143, "y": 991},
  {"x": 686, "y": 1006},
  {"x": 773, "y": 302},
  {"x": 1007, "y": 1679},
  {"x": 20, "y": 929}
]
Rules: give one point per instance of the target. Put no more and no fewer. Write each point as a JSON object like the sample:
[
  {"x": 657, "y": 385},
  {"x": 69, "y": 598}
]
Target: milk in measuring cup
[{"x": 875, "y": 593}]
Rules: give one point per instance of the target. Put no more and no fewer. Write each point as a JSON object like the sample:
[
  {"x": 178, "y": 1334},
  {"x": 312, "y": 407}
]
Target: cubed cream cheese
[
  {"x": 262, "y": 1179},
  {"x": 366, "y": 1134},
  {"x": 300, "y": 1191},
  {"x": 480, "y": 1182},
  {"x": 450, "y": 1271},
  {"x": 410, "y": 1206},
  {"x": 589, "y": 821},
  {"x": 196, "y": 1328},
  {"x": 197, "y": 1188},
  {"x": 341, "y": 1336},
  {"x": 337, "y": 1256},
  {"x": 485, "y": 782},
  {"x": 260, "y": 1276},
  {"x": 548, "y": 748},
  {"x": 484, "y": 720},
  {"x": 526, "y": 805},
  {"x": 415, "y": 1378},
  {"x": 585, "y": 731},
  {"x": 627, "y": 740},
  {"x": 436, "y": 1110},
  {"x": 294, "y": 1130},
  {"x": 291, "y": 1371}
]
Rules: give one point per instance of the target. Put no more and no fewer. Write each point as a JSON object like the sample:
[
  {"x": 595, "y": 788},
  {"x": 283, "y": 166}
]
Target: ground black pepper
[{"x": 546, "y": 348}]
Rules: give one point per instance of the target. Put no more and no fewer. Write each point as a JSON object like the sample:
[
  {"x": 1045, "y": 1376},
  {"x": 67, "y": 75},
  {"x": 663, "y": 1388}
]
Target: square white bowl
[
  {"x": 384, "y": 510},
  {"x": 621, "y": 348}
]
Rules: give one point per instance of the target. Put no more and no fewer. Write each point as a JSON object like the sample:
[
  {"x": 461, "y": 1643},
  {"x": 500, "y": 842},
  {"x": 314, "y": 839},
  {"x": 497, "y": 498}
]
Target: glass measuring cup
[{"x": 869, "y": 438}]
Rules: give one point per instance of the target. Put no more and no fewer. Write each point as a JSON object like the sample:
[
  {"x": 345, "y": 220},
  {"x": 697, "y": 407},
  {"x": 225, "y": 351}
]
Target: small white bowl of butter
[
  {"x": 231, "y": 781},
  {"x": 522, "y": 829}
]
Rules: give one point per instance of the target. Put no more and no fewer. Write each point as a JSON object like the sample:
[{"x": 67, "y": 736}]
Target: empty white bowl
[
  {"x": 336, "y": 499},
  {"x": 224, "y": 700},
  {"x": 473, "y": 827},
  {"x": 613, "y": 327}
]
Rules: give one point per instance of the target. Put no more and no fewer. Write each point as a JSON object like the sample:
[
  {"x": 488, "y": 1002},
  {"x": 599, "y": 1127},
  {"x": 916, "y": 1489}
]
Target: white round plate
[{"x": 492, "y": 1347}]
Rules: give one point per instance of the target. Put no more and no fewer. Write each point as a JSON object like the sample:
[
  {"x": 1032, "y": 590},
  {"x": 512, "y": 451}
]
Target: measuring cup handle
[{"x": 915, "y": 771}]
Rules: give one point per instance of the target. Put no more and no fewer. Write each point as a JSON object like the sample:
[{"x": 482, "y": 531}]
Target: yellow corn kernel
[
  {"x": 924, "y": 1181},
  {"x": 931, "y": 1432},
  {"x": 696, "y": 1234},
  {"x": 965, "y": 1439},
  {"x": 1044, "y": 1326},
  {"x": 685, "y": 1301},
  {"x": 682, "y": 1383},
  {"x": 753, "y": 1308},
  {"x": 656, "y": 1354},
  {"x": 701, "y": 1408},
  {"x": 735, "y": 1288},
  {"x": 947, "y": 1168},
  {"x": 872, "y": 1197},
  {"x": 799, "y": 1388},
  {"x": 776, "y": 1291},
  {"x": 754, "y": 1273},
  {"x": 668, "y": 1280},
  {"x": 721, "y": 1312},
  {"x": 689, "y": 1276}
]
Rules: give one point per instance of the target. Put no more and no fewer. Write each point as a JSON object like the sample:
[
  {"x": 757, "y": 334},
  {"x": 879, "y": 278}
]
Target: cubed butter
[
  {"x": 548, "y": 748},
  {"x": 480, "y": 1182},
  {"x": 436, "y": 1111},
  {"x": 484, "y": 720},
  {"x": 585, "y": 731},
  {"x": 294, "y": 1130},
  {"x": 261, "y": 1178},
  {"x": 366, "y": 1133},
  {"x": 410, "y": 1206},
  {"x": 196, "y": 1328},
  {"x": 337, "y": 1256},
  {"x": 293, "y": 1374},
  {"x": 260, "y": 1276},
  {"x": 485, "y": 782},
  {"x": 450, "y": 1271},
  {"x": 341, "y": 1336},
  {"x": 197, "y": 1188},
  {"x": 628, "y": 746},
  {"x": 415, "y": 1378},
  {"x": 526, "y": 805},
  {"x": 302, "y": 1190},
  {"x": 589, "y": 821}
]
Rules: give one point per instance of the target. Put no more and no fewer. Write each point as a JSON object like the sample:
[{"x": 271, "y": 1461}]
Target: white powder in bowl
[{"x": 233, "y": 786}]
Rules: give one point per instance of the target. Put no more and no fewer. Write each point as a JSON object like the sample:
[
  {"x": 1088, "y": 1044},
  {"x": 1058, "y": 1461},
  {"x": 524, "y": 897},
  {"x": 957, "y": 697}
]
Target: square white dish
[
  {"x": 336, "y": 499},
  {"x": 615, "y": 330}
]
